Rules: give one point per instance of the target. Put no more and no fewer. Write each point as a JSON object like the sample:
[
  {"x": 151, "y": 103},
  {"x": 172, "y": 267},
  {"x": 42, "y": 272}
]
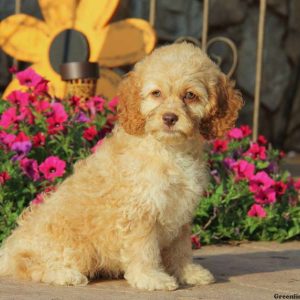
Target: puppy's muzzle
[{"x": 169, "y": 119}]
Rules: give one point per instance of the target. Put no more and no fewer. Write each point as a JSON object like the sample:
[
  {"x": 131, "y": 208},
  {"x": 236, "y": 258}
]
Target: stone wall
[{"x": 238, "y": 20}]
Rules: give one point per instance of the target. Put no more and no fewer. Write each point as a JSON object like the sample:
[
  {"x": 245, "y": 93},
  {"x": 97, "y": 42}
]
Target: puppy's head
[{"x": 175, "y": 93}]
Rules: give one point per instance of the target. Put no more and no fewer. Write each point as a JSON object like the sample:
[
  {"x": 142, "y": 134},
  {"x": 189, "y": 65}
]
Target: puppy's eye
[
  {"x": 156, "y": 93},
  {"x": 189, "y": 96}
]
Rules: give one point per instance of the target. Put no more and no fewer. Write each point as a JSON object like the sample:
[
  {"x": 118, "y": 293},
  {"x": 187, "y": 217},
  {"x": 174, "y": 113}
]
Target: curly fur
[
  {"x": 127, "y": 208},
  {"x": 225, "y": 103},
  {"x": 129, "y": 105}
]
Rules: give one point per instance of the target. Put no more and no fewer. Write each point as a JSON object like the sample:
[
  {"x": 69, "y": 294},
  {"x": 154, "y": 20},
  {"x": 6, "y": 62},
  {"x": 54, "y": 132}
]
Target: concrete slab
[{"x": 249, "y": 271}]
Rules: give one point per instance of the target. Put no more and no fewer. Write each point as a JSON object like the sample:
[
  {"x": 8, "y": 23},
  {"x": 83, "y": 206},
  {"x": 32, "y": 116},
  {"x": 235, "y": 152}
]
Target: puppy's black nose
[{"x": 169, "y": 119}]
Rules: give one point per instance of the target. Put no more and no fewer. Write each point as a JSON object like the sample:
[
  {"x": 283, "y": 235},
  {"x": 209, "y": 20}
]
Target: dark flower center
[
  {"x": 279, "y": 188},
  {"x": 52, "y": 170}
]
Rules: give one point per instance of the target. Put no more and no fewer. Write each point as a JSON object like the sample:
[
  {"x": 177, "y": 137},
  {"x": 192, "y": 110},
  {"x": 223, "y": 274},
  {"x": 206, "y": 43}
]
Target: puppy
[{"x": 127, "y": 209}]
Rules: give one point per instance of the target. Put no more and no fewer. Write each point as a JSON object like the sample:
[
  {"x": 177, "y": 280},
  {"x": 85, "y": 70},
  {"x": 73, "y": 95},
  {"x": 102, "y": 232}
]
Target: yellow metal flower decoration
[{"x": 124, "y": 42}]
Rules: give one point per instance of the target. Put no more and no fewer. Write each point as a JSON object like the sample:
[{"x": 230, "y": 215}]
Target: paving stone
[{"x": 256, "y": 270}]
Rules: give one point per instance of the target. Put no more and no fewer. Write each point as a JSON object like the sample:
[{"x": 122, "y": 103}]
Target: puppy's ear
[
  {"x": 129, "y": 114},
  {"x": 222, "y": 111}
]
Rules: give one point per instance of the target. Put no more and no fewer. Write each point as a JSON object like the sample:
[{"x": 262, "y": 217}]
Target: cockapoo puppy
[{"x": 127, "y": 209}]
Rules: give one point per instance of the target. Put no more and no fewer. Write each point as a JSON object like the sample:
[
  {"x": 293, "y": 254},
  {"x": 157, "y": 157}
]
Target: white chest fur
[{"x": 168, "y": 179}]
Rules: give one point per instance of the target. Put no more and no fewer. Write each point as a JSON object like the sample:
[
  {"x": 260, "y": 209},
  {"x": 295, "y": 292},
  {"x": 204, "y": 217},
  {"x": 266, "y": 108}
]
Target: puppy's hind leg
[
  {"x": 26, "y": 264},
  {"x": 22, "y": 264}
]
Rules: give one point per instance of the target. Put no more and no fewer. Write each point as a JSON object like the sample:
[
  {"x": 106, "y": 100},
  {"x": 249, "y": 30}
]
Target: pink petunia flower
[
  {"x": 235, "y": 133},
  {"x": 195, "y": 242},
  {"x": 12, "y": 70},
  {"x": 265, "y": 196},
  {"x": 52, "y": 168},
  {"x": 55, "y": 125},
  {"x": 57, "y": 118},
  {"x": 113, "y": 103},
  {"x": 280, "y": 187},
  {"x": 41, "y": 106},
  {"x": 220, "y": 146},
  {"x": 37, "y": 200},
  {"x": 25, "y": 114},
  {"x": 95, "y": 104},
  {"x": 262, "y": 140},
  {"x": 41, "y": 87},
  {"x": 90, "y": 133},
  {"x": 75, "y": 101},
  {"x": 19, "y": 98},
  {"x": 59, "y": 111},
  {"x": 7, "y": 138},
  {"x": 22, "y": 137},
  {"x": 39, "y": 140},
  {"x": 260, "y": 181},
  {"x": 256, "y": 152},
  {"x": 282, "y": 154},
  {"x": 97, "y": 146},
  {"x": 297, "y": 184},
  {"x": 8, "y": 117},
  {"x": 257, "y": 210},
  {"x": 49, "y": 189},
  {"x": 4, "y": 176},
  {"x": 12, "y": 116},
  {"x": 40, "y": 198},
  {"x": 246, "y": 130},
  {"x": 30, "y": 168},
  {"x": 243, "y": 169},
  {"x": 29, "y": 78}
]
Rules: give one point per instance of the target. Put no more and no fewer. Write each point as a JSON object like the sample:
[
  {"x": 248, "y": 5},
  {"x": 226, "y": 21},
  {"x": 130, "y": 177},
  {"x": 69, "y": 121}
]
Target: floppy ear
[
  {"x": 222, "y": 111},
  {"x": 129, "y": 114}
]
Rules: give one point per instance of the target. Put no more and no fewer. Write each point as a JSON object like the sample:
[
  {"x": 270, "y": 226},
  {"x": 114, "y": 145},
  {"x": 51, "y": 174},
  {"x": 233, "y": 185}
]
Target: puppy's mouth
[
  {"x": 169, "y": 134},
  {"x": 170, "y": 129}
]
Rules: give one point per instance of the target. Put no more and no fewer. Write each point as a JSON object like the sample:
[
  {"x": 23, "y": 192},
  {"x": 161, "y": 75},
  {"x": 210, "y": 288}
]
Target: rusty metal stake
[
  {"x": 205, "y": 24},
  {"x": 17, "y": 11},
  {"x": 259, "y": 61},
  {"x": 152, "y": 12}
]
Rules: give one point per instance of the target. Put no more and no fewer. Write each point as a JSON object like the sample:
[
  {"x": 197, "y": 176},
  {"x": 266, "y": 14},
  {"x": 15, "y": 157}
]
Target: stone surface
[
  {"x": 5, "y": 63},
  {"x": 292, "y": 41},
  {"x": 278, "y": 6},
  {"x": 276, "y": 69},
  {"x": 230, "y": 12},
  {"x": 249, "y": 271},
  {"x": 172, "y": 21},
  {"x": 292, "y": 141}
]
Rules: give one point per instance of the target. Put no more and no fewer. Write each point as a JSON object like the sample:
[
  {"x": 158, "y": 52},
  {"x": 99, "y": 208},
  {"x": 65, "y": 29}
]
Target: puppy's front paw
[
  {"x": 153, "y": 280},
  {"x": 196, "y": 275},
  {"x": 65, "y": 276}
]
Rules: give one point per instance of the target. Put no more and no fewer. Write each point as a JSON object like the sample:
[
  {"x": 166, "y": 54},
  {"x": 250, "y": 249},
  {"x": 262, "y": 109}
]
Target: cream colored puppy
[{"x": 127, "y": 208}]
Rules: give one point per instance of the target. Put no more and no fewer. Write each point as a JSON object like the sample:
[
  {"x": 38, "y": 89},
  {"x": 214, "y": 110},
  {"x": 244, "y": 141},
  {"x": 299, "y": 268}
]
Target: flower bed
[
  {"x": 249, "y": 197},
  {"x": 41, "y": 138}
]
